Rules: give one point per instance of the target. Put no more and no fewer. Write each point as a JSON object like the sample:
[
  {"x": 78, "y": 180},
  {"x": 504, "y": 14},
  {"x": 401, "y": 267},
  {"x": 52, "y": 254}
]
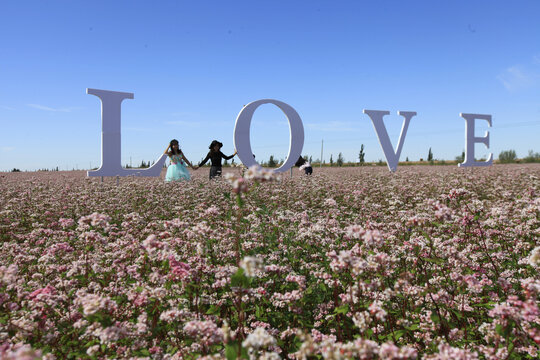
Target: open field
[{"x": 428, "y": 262}]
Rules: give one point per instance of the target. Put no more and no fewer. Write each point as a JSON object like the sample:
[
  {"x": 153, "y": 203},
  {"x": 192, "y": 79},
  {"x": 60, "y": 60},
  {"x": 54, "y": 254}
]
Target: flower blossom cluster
[{"x": 424, "y": 263}]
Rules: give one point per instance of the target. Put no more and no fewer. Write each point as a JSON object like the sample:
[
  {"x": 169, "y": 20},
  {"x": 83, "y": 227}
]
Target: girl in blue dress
[{"x": 177, "y": 170}]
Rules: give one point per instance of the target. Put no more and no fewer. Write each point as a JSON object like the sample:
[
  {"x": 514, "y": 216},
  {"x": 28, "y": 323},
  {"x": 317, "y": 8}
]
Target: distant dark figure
[
  {"x": 303, "y": 164},
  {"x": 215, "y": 155}
]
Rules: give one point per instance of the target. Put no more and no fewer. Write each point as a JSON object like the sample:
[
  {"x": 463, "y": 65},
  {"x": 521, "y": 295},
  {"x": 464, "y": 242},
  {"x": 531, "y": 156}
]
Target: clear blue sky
[{"x": 192, "y": 65}]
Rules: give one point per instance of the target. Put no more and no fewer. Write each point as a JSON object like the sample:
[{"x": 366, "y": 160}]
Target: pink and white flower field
[{"x": 430, "y": 262}]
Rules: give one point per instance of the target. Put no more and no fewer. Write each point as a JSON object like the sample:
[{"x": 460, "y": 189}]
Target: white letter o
[{"x": 242, "y": 142}]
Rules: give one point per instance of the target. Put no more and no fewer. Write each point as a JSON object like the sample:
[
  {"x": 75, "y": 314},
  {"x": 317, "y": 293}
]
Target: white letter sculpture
[
  {"x": 376, "y": 116},
  {"x": 242, "y": 142},
  {"x": 470, "y": 139},
  {"x": 111, "y": 144}
]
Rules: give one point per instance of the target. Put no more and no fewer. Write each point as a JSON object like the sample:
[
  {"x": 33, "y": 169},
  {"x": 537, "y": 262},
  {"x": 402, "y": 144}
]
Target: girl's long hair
[
  {"x": 173, "y": 151},
  {"x": 214, "y": 143}
]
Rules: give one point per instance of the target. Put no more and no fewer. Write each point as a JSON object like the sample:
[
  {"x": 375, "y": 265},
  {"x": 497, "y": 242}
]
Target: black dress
[{"x": 215, "y": 160}]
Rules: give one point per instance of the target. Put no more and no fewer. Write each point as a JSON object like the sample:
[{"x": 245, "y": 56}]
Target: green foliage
[
  {"x": 272, "y": 162},
  {"x": 507, "y": 156},
  {"x": 339, "y": 161},
  {"x": 361, "y": 155},
  {"x": 461, "y": 158},
  {"x": 532, "y": 157}
]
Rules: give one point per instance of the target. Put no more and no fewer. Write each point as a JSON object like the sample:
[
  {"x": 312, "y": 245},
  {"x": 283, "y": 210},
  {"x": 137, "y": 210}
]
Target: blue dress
[{"x": 177, "y": 170}]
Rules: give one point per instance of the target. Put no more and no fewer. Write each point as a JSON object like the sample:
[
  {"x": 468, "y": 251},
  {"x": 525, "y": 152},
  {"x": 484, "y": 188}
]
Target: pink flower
[
  {"x": 48, "y": 290},
  {"x": 206, "y": 331},
  {"x": 178, "y": 270}
]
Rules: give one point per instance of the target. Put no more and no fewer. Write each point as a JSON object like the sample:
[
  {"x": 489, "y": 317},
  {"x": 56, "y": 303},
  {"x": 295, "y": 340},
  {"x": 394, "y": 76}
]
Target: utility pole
[{"x": 322, "y": 142}]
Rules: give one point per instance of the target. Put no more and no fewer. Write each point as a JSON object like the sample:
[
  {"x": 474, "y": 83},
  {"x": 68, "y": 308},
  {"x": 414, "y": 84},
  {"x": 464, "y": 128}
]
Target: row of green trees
[
  {"x": 510, "y": 156},
  {"x": 507, "y": 156}
]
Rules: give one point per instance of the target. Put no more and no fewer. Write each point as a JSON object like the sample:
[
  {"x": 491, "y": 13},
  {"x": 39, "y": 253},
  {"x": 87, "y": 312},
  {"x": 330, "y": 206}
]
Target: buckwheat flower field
[{"x": 430, "y": 262}]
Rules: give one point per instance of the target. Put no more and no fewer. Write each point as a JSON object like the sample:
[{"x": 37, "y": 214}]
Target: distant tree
[
  {"x": 331, "y": 160},
  {"x": 507, "y": 156},
  {"x": 310, "y": 159},
  {"x": 339, "y": 161},
  {"x": 461, "y": 158},
  {"x": 232, "y": 162},
  {"x": 361, "y": 155},
  {"x": 407, "y": 159},
  {"x": 272, "y": 162},
  {"x": 15, "y": 170},
  {"x": 225, "y": 163},
  {"x": 532, "y": 157},
  {"x": 430, "y": 155}
]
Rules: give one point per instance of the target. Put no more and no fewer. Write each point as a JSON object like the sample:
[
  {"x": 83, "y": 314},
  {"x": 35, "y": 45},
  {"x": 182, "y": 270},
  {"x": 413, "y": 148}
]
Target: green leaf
[
  {"x": 259, "y": 312},
  {"x": 239, "y": 200},
  {"x": 457, "y": 313},
  {"x": 343, "y": 309},
  {"x": 239, "y": 279},
  {"x": 231, "y": 351},
  {"x": 144, "y": 352},
  {"x": 397, "y": 334},
  {"x": 412, "y": 327},
  {"x": 488, "y": 305},
  {"x": 213, "y": 310}
]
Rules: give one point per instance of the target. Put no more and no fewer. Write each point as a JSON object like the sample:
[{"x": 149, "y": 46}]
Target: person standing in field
[
  {"x": 303, "y": 164},
  {"x": 215, "y": 155},
  {"x": 177, "y": 170}
]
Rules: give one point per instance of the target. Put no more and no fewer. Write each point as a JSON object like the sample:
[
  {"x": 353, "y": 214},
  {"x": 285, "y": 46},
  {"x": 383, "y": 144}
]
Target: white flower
[
  {"x": 259, "y": 339},
  {"x": 251, "y": 264},
  {"x": 534, "y": 258},
  {"x": 330, "y": 202},
  {"x": 91, "y": 304},
  {"x": 92, "y": 350}
]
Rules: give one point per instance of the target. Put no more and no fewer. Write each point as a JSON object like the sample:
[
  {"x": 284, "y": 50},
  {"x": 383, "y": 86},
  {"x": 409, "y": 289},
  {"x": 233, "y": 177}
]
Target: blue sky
[{"x": 192, "y": 65}]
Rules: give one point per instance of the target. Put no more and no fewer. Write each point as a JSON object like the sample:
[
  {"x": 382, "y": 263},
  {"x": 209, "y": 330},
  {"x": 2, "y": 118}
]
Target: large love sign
[{"x": 111, "y": 165}]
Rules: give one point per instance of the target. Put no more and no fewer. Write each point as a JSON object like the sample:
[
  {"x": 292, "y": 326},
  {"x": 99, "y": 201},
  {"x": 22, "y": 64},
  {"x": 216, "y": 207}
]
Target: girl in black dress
[{"x": 215, "y": 155}]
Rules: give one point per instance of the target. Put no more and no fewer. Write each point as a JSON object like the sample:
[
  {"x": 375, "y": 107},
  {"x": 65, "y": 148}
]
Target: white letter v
[{"x": 376, "y": 116}]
